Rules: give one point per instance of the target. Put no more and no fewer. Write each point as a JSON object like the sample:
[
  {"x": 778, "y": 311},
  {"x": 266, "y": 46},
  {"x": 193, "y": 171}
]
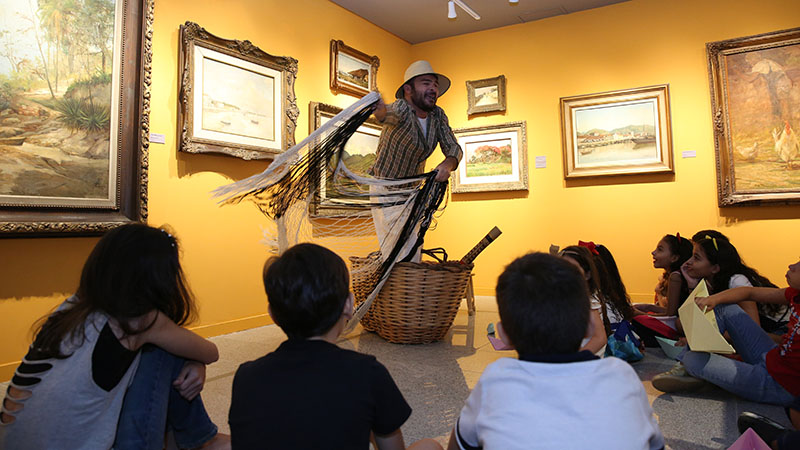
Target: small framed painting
[
  {"x": 352, "y": 71},
  {"x": 360, "y": 153},
  {"x": 486, "y": 95},
  {"x": 495, "y": 158},
  {"x": 623, "y": 132},
  {"x": 755, "y": 99},
  {"x": 234, "y": 99}
]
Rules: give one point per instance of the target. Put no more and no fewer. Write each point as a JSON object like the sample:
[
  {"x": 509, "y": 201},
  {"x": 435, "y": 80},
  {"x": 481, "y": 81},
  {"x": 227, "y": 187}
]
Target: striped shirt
[{"x": 403, "y": 148}]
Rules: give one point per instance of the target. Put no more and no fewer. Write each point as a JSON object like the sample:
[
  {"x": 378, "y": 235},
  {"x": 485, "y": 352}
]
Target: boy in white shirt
[{"x": 553, "y": 396}]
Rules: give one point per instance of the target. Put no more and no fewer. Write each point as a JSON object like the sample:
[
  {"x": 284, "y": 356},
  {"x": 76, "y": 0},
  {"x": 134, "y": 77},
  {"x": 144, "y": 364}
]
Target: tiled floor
[{"x": 437, "y": 378}]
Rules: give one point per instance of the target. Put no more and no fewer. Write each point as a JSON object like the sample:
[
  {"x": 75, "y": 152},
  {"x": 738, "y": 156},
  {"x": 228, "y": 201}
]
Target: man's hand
[
  {"x": 191, "y": 379},
  {"x": 445, "y": 167},
  {"x": 379, "y": 110}
]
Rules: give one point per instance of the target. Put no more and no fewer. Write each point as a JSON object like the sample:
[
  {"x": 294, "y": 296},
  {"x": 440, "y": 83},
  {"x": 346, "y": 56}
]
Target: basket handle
[{"x": 438, "y": 253}]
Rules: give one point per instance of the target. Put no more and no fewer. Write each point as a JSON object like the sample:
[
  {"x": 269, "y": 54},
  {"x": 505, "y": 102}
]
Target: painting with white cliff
[{"x": 57, "y": 103}]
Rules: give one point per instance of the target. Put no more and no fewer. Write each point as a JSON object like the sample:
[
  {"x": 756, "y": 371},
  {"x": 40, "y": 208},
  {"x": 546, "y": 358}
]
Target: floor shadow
[{"x": 428, "y": 375}]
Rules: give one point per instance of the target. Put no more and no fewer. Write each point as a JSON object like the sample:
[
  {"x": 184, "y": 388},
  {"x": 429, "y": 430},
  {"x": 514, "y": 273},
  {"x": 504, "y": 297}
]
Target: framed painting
[
  {"x": 625, "y": 132},
  {"x": 74, "y": 116},
  {"x": 360, "y": 153},
  {"x": 352, "y": 71},
  {"x": 755, "y": 99},
  {"x": 235, "y": 99},
  {"x": 486, "y": 95},
  {"x": 495, "y": 158}
]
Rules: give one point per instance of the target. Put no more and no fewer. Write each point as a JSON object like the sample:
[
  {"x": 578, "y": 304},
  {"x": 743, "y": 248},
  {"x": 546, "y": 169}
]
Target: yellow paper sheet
[{"x": 701, "y": 328}]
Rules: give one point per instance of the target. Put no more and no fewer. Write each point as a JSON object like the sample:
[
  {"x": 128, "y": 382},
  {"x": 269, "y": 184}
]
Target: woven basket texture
[{"x": 418, "y": 302}]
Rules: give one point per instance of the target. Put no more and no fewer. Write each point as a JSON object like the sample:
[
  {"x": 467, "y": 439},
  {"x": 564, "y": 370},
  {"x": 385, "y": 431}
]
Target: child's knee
[{"x": 695, "y": 361}]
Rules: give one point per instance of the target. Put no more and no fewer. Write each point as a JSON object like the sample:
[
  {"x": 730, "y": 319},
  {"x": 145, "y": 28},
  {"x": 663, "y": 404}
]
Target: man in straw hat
[{"x": 413, "y": 125}]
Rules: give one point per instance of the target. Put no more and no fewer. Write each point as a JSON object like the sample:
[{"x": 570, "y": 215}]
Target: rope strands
[{"x": 317, "y": 170}]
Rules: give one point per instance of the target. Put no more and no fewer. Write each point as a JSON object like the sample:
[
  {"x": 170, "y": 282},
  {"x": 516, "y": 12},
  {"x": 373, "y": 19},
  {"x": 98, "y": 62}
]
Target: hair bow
[
  {"x": 714, "y": 240},
  {"x": 589, "y": 245},
  {"x": 678, "y": 235}
]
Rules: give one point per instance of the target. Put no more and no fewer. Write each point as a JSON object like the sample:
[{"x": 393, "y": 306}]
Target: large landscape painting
[
  {"x": 56, "y": 74},
  {"x": 763, "y": 92}
]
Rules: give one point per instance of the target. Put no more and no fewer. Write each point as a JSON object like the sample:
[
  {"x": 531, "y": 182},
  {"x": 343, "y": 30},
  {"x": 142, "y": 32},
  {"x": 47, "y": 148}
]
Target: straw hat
[{"x": 423, "y": 67}]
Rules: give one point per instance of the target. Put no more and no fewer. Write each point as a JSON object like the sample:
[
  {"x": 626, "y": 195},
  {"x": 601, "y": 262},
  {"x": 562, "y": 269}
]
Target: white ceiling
[{"x": 424, "y": 20}]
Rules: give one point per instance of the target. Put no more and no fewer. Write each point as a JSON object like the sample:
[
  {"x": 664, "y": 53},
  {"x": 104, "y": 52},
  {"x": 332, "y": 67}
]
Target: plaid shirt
[{"x": 403, "y": 149}]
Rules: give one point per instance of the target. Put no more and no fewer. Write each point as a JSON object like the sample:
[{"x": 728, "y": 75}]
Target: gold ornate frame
[
  {"x": 371, "y": 62},
  {"x": 657, "y": 96},
  {"x": 499, "y": 81},
  {"x": 322, "y": 204},
  {"x": 718, "y": 53},
  {"x": 132, "y": 138},
  {"x": 243, "y": 52},
  {"x": 517, "y": 181}
]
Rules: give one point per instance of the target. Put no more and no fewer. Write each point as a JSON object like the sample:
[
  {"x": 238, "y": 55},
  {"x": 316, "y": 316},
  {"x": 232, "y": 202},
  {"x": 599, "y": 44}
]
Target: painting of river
[
  {"x": 616, "y": 134},
  {"x": 56, "y": 72}
]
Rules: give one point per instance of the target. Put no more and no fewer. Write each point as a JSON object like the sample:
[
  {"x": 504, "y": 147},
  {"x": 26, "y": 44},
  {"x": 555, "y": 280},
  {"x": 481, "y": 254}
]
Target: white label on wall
[
  {"x": 156, "y": 138},
  {"x": 541, "y": 162},
  {"x": 689, "y": 153}
]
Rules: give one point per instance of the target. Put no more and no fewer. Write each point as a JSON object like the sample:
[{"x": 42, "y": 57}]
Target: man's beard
[{"x": 418, "y": 99}]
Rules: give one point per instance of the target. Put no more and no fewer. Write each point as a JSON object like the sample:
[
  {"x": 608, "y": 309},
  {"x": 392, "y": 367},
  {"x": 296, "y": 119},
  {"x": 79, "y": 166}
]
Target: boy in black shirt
[{"x": 309, "y": 393}]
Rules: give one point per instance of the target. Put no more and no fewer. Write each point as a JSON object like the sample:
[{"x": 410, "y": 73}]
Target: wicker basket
[
  {"x": 364, "y": 272},
  {"x": 418, "y": 302}
]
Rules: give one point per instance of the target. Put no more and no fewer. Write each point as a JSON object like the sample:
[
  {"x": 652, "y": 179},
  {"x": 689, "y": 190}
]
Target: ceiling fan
[{"x": 451, "y": 8}]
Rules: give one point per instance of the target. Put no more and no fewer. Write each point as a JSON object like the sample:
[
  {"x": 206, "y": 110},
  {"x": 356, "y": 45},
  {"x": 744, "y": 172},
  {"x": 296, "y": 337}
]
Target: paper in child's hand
[
  {"x": 749, "y": 440},
  {"x": 700, "y": 327}
]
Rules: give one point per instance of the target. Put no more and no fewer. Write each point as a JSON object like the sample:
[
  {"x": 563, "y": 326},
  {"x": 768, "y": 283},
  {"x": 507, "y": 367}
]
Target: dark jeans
[{"x": 152, "y": 405}]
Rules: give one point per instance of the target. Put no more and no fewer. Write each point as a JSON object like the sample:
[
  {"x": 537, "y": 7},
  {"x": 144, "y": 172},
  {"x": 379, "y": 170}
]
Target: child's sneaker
[{"x": 677, "y": 380}]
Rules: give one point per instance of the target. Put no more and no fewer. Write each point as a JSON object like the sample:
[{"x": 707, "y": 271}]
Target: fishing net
[{"x": 378, "y": 221}]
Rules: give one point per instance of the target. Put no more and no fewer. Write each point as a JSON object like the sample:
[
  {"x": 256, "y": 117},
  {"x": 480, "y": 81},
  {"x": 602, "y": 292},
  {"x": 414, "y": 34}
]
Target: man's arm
[
  {"x": 380, "y": 110},
  {"x": 448, "y": 141},
  {"x": 445, "y": 167},
  {"x": 386, "y": 114}
]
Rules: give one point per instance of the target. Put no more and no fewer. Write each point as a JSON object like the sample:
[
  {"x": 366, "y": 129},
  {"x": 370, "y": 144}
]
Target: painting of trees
[{"x": 55, "y": 99}]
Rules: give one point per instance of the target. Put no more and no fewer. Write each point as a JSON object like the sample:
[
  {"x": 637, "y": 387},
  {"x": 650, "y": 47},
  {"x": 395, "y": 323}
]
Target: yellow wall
[
  {"x": 637, "y": 43},
  {"x": 627, "y": 45},
  {"x": 222, "y": 255}
]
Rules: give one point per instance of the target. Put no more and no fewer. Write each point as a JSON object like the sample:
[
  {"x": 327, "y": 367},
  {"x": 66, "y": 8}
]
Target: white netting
[{"x": 312, "y": 195}]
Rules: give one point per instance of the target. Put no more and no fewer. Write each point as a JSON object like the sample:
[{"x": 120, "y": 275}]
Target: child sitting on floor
[
  {"x": 618, "y": 302},
  {"x": 772, "y": 318},
  {"x": 600, "y": 327},
  {"x": 309, "y": 393},
  {"x": 660, "y": 319},
  {"x": 553, "y": 396},
  {"x": 718, "y": 262},
  {"x": 768, "y": 372},
  {"x": 670, "y": 254},
  {"x": 112, "y": 366}
]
